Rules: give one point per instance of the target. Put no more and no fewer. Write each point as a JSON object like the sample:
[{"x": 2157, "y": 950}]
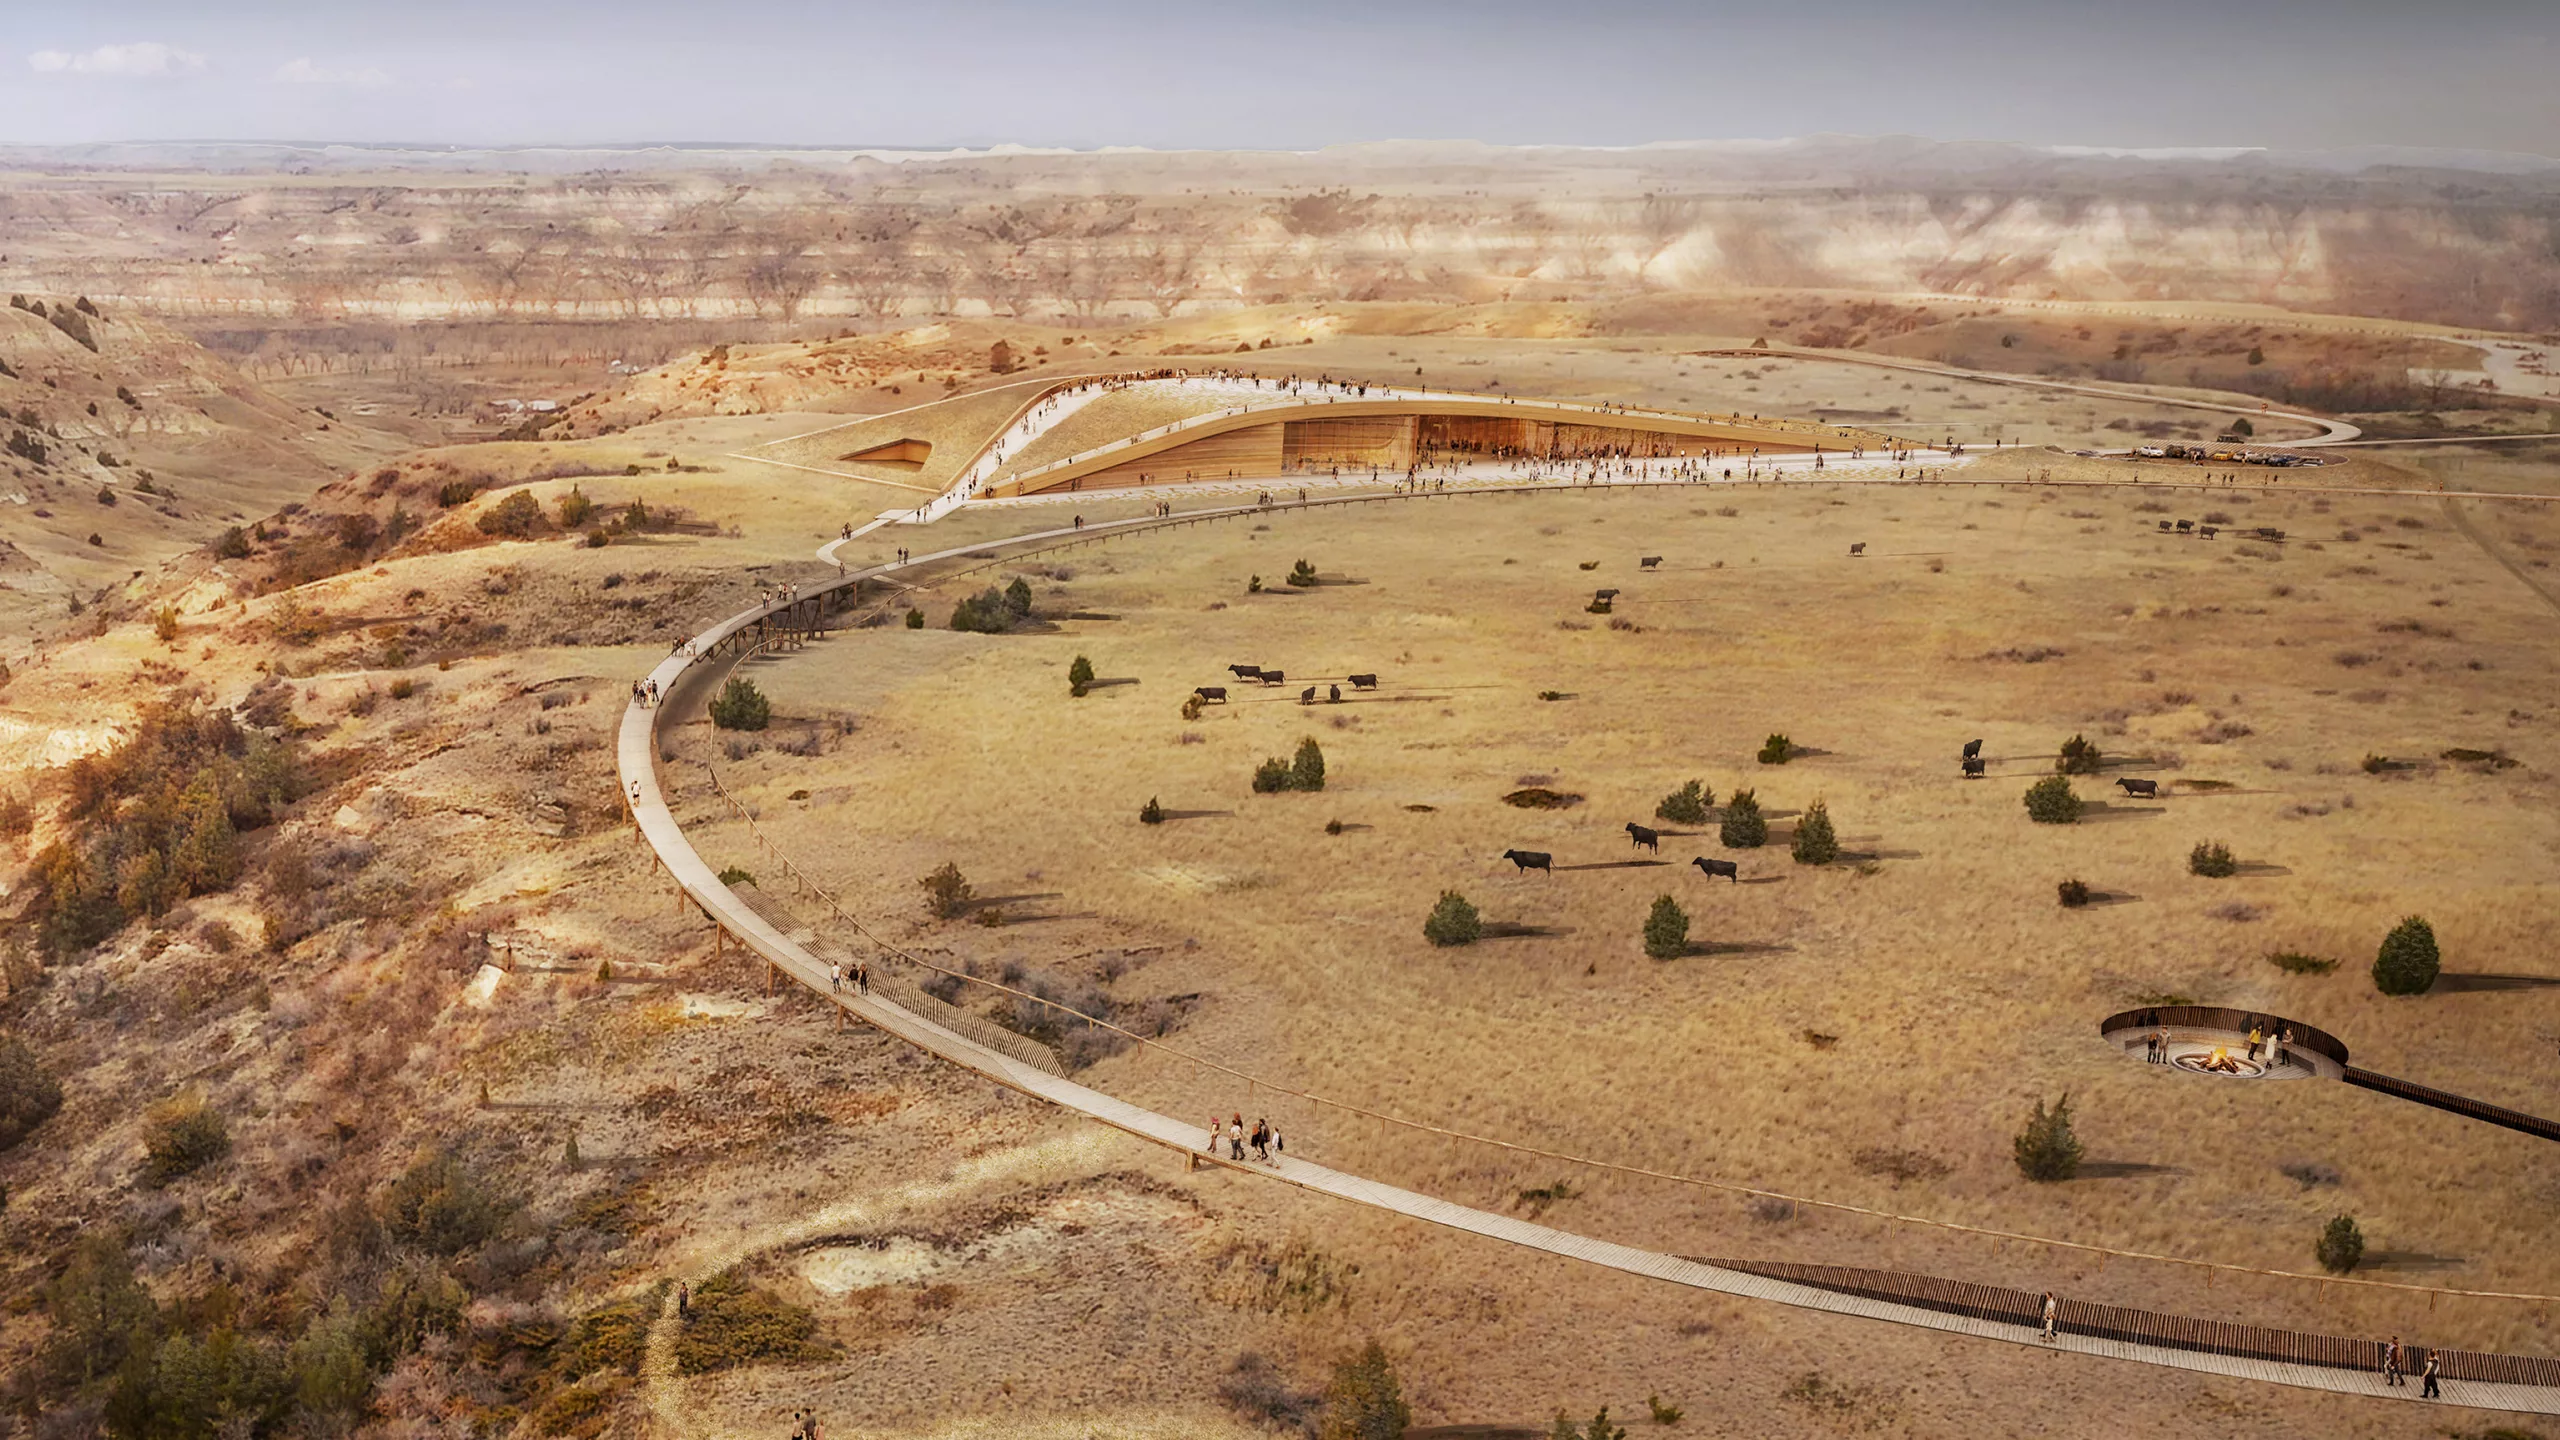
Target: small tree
[
  {"x": 164, "y": 623},
  {"x": 29, "y": 1095},
  {"x": 1302, "y": 574},
  {"x": 575, "y": 507},
  {"x": 2212, "y": 859},
  {"x": 1079, "y": 676},
  {"x": 1306, "y": 770},
  {"x": 183, "y": 1136},
  {"x": 2257, "y": 355},
  {"x": 2408, "y": 962},
  {"x": 516, "y": 516},
  {"x": 1686, "y": 805},
  {"x": 233, "y": 545},
  {"x": 2075, "y": 893},
  {"x": 1666, "y": 929},
  {"x": 1151, "y": 813},
  {"x": 741, "y": 706},
  {"x": 946, "y": 892},
  {"x": 1777, "y": 749},
  {"x": 1017, "y": 598},
  {"x": 2047, "y": 1151},
  {"x": 1816, "y": 844},
  {"x": 2340, "y": 1247},
  {"x": 915, "y": 618},
  {"x": 1744, "y": 828},
  {"x": 570, "y": 1160},
  {"x": 1363, "y": 1401},
  {"x": 2078, "y": 757},
  {"x": 2242, "y": 428},
  {"x": 2051, "y": 802},
  {"x": 1453, "y": 921},
  {"x": 1271, "y": 776}
]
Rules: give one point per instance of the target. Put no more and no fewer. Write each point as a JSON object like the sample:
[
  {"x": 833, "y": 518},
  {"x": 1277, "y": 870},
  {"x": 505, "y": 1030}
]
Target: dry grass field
[{"x": 1871, "y": 1031}]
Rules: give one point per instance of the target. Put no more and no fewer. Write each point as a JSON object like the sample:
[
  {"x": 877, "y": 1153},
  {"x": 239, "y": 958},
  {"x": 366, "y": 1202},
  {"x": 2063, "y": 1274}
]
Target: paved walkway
[{"x": 637, "y": 754}]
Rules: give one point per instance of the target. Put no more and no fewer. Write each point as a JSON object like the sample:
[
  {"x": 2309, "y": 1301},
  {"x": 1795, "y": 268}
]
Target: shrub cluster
[
  {"x": 733, "y": 1322},
  {"x": 1777, "y": 749},
  {"x": 1302, "y": 574},
  {"x": 992, "y": 611},
  {"x": 1744, "y": 828},
  {"x": 2074, "y": 893},
  {"x": 1079, "y": 677},
  {"x": 183, "y": 1136},
  {"x": 1452, "y": 921},
  {"x": 1666, "y": 929},
  {"x": 2408, "y": 962},
  {"x": 946, "y": 892},
  {"x": 2050, "y": 801},
  {"x": 1303, "y": 772},
  {"x": 741, "y": 706},
  {"x": 2047, "y": 1150},
  {"x": 2213, "y": 860},
  {"x": 1686, "y": 805},
  {"x": 1816, "y": 843},
  {"x": 2340, "y": 1247},
  {"x": 29, "y": 1095},
  {"x": 156, "y": 820},
  {"x": 2078, "y": 757}
]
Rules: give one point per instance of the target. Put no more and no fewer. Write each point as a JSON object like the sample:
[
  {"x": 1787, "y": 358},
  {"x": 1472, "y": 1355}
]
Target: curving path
[{"x": 2209, "y": 1347}]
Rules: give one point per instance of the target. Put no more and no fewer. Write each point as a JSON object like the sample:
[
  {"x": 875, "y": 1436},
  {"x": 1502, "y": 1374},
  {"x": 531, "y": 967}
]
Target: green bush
[
  {"x": 1452, "y": 921},
  {"x": 1306, "y": 769},
  {"x": 1686, "y": 805},
  {"x": 233, "y": 545},
  {"x": 1744, "y": 828},
  {"x": 2295, "y": 962},
  {"x": 1602, "y": 1428},
  {"x": 29, "y": 1095},
  {"x": 741, "y": 706},
  {"x": 1666, "y": 929},
  {"x": 2408, "y": 962},
  {"x": 1777, "y": 749},
  {"x": 733, "y": 1323},
  {"x": 182, "y": 1137},
  {"x": 987, "y": 613},
  {"x": 2074, "y": 893},
  {"x": 2050, "y": 801},
  {"x": 1271, "y": 776},
  {"x": 1079, "y": 676},
  {"x": 1151, "y": 813},
  {"x": 2213, "y": 860},
  {"x": 2340, "y": 1247},
  {"x": 442, "y": 1206},
  {"x": 575, "y": 507},
  {"x": 610, "y": 1337},
  {"x": 516, "y": 517},
  {"x": 1816, "y": 843},
  {"x": 1302, "y": 574},
  {"x": 101, "y": 1314},
  {"x": 737, "y": 875},
  {"x": 1363, "y": 1401},
  {"x": 2078, "y": 757},
  {"x": 2047, "y": 1150},
  {"x": 915, "y": 618},
  {"x": 1017, "y": 598},
  {"x": 946, "y": 892}
]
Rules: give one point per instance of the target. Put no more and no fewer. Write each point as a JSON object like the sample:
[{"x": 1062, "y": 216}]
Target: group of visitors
[
  {"x": 644, "y": 693},
  {"x": 861, "y": 977},
  {"x": 1264, "y": 1138},
  {"x": 2395, "y": 1370}
]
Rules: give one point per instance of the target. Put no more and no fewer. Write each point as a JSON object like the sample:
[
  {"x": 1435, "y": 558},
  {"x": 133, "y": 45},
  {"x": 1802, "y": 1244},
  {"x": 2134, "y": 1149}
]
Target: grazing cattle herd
[
  {"x": 1644, "y": 837},
  {"x": 1531, "y": 860}
]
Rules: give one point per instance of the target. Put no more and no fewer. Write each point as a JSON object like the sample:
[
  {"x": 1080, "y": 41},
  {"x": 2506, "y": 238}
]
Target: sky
[{"x": 1284, "y": 74}]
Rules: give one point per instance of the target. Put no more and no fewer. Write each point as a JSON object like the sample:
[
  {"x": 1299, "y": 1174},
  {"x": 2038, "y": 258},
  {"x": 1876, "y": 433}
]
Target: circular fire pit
[{"x": 2216, "y": 1041}]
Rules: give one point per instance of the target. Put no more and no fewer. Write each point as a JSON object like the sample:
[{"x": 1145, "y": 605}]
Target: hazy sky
[{"x": 1284, "y": 73}]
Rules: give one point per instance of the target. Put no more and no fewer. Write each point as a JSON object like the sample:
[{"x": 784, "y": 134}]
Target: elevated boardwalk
[{"x": 2495, "y": 1382}]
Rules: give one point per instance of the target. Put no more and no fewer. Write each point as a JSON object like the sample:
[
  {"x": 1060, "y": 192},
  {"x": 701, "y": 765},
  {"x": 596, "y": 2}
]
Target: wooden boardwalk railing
[{"x": 766, "y": 927}]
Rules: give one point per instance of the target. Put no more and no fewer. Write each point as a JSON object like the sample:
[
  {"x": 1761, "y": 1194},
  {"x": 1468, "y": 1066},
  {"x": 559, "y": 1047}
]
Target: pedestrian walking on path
[
  {"x": 2052, "y": 1318},
  {"x": 1214, "y": 1128},
  {"x": 684, "y": 1300},
  {"x": 862, "y": 978},
  {"x": 2391, "y": 1362},
  {"x": 835, "y": 976},
  {"x": 1276, "y": 1146},
  {"x": 1235, "y": 1137},
  {"x": 2429, "y": 1375}
]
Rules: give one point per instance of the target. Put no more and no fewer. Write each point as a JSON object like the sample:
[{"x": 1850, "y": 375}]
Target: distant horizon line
[{"x": 1006, "y": 149}]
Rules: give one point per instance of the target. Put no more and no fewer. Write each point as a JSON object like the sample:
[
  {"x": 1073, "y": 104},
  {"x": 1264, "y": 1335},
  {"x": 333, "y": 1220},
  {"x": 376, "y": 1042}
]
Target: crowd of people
[{"x": 1263, "y": 1139}]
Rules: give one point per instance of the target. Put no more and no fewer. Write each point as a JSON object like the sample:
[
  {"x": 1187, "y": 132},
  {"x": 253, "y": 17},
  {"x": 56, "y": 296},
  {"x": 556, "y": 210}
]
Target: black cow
[
  {"x": 2206, "y": 531},
  {"x": 1973, "y": 767},
  {"x": 1245, "y": 672},
  {"x": 1972, "y": 749},
  {"x": 1726, "y": 868},
  {"x": 2185, "y": 525},
  {"x": 2148, "y": 789},
  {"x": 1212, "y": 692},
  {"x": 2164, "y": 527},
  {"x": 1530, "y": 859},
  {"x": 1649, "y": 839},
  {"x": 1274, "y": 677},
  {"x": 1364, "y": 682},
  {"x": 1648, "y": 562},
  {"x": 1604, "y": 594},
  {"x": 1860, "y": 548},
  {"x": 1307, "y": 696},
  {"x": 1333, "y": 693}
]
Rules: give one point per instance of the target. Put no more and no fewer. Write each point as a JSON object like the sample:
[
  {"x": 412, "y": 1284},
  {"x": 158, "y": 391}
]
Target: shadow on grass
[
  {"x": 1762, "y": 879},
  {"x": 2261, "y": 867},
  {"x": 2108, "y": 897},
  {"x": 1111, "y": 682},
  {"x": 1733, "y": 947},
  {"x": 1508, "y": 930},
  {"x": 1614, "y": 865},
  {"x": 2123, "y": 1169},
  {"x": 2474, "y": 983},
  {"x": 982, "y": 902},
  {"x": 2409, "y": 1260},
  {"x": 2108, "y": 810},
  {"x": 1197, "y": 814}
]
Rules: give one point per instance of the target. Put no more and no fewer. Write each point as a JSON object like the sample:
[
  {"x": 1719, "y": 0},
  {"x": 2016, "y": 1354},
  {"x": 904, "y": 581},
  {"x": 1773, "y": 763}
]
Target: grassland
[{"x": 2252, "y": 681}]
